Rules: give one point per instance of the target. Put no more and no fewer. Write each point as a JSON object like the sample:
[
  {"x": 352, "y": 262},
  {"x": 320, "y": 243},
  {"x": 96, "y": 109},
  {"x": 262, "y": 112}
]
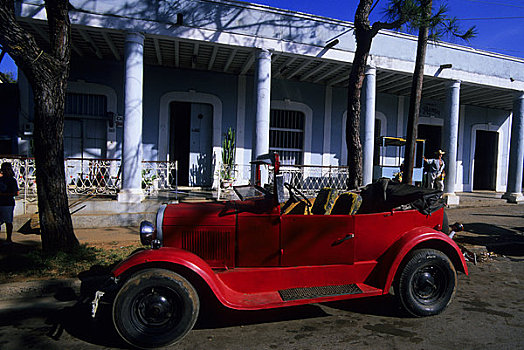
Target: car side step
[{"x": 318, "y": 292}]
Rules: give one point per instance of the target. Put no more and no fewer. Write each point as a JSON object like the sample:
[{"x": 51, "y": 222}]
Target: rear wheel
[
  {"x": 155, "y": 308},
  {"x": 426, "y": 283}
]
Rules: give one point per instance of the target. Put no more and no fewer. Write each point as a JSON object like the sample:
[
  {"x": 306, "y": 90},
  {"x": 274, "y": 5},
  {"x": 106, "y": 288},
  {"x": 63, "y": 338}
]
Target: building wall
[
  {"x": 311, "y": 95},
  {"x": 159, "y": 81}
]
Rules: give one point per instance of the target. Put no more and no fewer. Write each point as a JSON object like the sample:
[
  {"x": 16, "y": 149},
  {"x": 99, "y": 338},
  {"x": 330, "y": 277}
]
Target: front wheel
[
  {"x": 426, "y": 283},
  {"x": 155, "y": 308}
]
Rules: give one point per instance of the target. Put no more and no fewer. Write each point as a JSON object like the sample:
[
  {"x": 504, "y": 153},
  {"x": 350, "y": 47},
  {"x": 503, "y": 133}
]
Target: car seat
[
  {"x": 298, "y": 208},
  {"x": 346, "y": 203},
  {"x": 323, "y": 201}
]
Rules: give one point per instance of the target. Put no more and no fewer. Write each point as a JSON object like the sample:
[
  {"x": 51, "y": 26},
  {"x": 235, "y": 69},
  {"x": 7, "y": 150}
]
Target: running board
[{"x": 318, "y": 292}]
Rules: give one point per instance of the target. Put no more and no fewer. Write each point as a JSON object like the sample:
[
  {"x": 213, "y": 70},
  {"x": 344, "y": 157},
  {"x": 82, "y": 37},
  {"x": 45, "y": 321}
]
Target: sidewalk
[
  {"x": 95, "y": 236},
  {"x": 481, "y": 199}
]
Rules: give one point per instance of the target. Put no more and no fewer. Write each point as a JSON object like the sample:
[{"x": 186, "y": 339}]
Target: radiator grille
[
  {"x": 212, "y": 245},
  {"x": 318, "y": 292}
]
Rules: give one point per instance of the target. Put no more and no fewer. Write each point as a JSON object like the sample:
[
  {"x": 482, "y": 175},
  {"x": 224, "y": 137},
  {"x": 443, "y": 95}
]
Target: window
[
  {"x": 84, "y": 104},
  {"x": 85, "y": 127},
  {"x": 286, "y": 135}
]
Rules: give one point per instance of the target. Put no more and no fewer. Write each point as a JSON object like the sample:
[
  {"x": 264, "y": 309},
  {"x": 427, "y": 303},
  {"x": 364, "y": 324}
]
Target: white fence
[
  {"x": 94, "y": 177},
  {"x": 101, "y": 177},
  {"x": 25, "y": 176},
  {"x": 312, "y": 178}
]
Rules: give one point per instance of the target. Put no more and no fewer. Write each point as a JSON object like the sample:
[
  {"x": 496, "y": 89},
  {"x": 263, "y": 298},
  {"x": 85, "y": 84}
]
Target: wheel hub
[
  {"x": 155, "y": 309},
  {"x": 428, "y": 284}
]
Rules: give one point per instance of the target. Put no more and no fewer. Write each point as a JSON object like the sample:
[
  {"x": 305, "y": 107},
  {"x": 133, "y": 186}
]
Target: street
[{"x": 486, "y": 313}]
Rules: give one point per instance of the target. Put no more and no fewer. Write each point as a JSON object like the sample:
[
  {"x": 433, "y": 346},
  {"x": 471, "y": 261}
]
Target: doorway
[
  {"x": 485, "y": 161},
  {"x": 376, "y": 148},
  {"x": 433, "y": 136},
  {"x": 190, "y": 140}
]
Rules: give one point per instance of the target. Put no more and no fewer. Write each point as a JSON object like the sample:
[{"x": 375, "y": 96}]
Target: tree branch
[
  {"x": 377, "y": 26},
  {"x": 22, "y": 46}
]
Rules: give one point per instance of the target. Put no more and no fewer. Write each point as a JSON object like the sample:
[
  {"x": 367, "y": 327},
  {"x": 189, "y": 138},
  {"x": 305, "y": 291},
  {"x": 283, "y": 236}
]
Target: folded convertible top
[{"x": 384, "y": 195}]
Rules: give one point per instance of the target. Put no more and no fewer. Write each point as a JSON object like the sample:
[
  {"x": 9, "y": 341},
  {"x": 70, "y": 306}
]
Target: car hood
[{"x": 201, "y": 214}]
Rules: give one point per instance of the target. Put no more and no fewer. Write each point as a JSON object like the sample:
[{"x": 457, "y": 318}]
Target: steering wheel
[{"x": 293, "y": 192}]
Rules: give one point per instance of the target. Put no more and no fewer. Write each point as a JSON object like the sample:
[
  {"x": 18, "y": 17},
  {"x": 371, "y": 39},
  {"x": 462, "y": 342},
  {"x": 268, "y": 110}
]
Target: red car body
[
  {"x": 250, "y": 258},
  {"x": 254, "y": 255}
]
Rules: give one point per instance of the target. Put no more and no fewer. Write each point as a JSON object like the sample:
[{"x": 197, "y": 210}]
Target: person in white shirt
[{"x": 435, "y": 171}]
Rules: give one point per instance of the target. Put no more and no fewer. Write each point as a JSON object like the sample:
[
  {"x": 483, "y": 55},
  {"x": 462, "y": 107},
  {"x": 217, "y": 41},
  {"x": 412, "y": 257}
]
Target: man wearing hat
[{"x": 435, "y": 169}]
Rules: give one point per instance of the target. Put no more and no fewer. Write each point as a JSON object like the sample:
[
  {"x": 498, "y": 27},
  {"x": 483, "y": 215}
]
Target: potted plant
[{"x": 227, "y": 173}]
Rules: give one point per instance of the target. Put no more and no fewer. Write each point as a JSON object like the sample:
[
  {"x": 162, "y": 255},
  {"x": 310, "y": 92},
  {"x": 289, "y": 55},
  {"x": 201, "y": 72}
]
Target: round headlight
[{"x": 147, "y": 230}]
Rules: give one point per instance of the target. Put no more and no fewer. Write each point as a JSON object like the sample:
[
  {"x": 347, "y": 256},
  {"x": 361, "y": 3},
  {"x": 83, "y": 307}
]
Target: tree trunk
[
  {"x": 55, "y": 220},
  {"x": 356, "y": 79},
  {"x": 47, "y": 73},
  {"x": 363, "y": 36},
  {"x": 416, "y": 96}
]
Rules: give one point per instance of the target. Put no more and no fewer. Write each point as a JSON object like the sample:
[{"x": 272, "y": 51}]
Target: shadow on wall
[
  {"x": 200, "y": 173},
  {"x": 496, "y": 239}
]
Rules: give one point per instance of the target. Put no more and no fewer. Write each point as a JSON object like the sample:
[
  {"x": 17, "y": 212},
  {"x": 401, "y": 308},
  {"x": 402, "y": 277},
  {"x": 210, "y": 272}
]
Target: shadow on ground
[
  {"x": 76, "y": 320},
  {"x": 386, "y": 306},
  {"x": 496, "y": 239}
]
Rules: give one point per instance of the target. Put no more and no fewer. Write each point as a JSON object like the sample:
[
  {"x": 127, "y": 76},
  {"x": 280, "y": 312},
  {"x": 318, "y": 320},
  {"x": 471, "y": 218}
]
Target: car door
[
  {"x": 258, "y": 239},
  {"x": 317, "y": 240}
]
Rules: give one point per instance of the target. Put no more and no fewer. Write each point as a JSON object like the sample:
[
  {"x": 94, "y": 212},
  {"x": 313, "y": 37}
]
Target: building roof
[{"x": 221, "y": 36}]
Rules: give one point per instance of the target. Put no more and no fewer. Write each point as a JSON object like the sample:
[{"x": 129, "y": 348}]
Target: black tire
[
  {"x": 426, "y": 283},
  {"x": 155, "y": 308}
]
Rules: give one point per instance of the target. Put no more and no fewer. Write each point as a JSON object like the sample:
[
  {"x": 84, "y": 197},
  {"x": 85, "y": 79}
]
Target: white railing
[
  {"x": 101, "y": 177},
  {"x": 24, "y": 169},
  {"x": 312, "y": 178},
  {"x": 94, "y": 177},
  {"x": 158, "y": 176}
]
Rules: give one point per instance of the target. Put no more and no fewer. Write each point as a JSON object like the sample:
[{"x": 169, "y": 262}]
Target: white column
[
  {"x": 132, "y": 148},
  {"x": 516, "y": 152},
  {"x": 400, "y": 116},
  {"x": 263, "y": 106},
  {"x": 243, "y": 170},
  {"x": 368, "y": 139},
  {"x": 451, "y": 126},
  {"x": 326, "y": 148}
]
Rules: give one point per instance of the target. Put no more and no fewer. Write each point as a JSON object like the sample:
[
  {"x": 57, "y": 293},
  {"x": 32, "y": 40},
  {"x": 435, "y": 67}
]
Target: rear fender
[
  {"x": 181, "y": 261},
  {"x": 418, "y": 238}
]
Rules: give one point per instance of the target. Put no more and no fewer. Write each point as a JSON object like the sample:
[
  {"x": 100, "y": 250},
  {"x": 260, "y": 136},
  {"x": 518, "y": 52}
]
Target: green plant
[
  {"x": 228, "y": 154},
  {"x": 147, "y": 178}
]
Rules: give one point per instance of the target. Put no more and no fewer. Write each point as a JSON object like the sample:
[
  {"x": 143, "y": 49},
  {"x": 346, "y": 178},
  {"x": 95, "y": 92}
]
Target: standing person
[
  {"x": 8, "y": 191},
  {"x": 435, "y": 171}
]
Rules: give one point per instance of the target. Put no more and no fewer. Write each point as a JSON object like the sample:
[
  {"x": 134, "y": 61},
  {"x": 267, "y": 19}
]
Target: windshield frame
[{"x": 244, "y": 196}]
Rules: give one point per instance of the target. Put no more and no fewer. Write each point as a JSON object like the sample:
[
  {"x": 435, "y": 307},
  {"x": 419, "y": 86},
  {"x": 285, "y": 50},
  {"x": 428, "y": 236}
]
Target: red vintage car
[{"x": 258, "y": 253}]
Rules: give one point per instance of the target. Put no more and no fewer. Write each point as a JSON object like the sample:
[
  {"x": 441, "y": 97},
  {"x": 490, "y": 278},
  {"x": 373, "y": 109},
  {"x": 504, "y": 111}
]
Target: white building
[{"x": 164, "y": 80}]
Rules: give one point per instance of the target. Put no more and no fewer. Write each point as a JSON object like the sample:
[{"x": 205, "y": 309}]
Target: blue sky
[{"x": 500, "y": 23}]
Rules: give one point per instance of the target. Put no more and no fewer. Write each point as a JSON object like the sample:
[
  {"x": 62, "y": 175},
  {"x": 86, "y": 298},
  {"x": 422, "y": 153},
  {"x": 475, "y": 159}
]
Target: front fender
[
  {"x": 177, "y": 257},
  {"x": 421, "y": 237}
]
